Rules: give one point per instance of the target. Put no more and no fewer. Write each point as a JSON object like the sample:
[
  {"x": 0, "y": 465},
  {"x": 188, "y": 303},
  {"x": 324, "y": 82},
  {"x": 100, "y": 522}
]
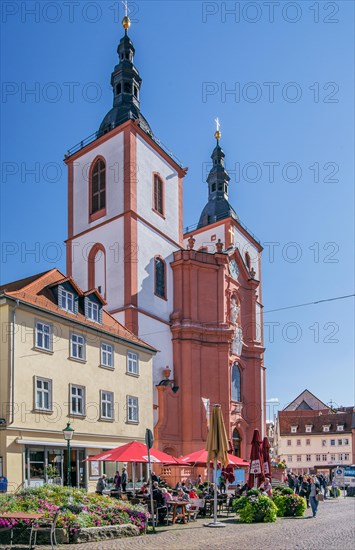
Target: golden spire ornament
[
  {"x": 126, "y": 22},
  {"x": 217, "y": 133}
]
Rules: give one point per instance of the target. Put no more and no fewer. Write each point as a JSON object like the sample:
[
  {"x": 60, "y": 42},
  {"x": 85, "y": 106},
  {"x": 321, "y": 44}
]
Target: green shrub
[
  {"x": 290, "y": 505},
  {"x": 253, "y": 492},
  {"x": 255, "y": 508}
]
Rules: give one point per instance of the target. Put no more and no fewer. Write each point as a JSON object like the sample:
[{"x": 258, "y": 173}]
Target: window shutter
[
  {"x": 60, "y": 291},
  {"x": 86, "y": 312},
  {"x": 100, "y": 315}
]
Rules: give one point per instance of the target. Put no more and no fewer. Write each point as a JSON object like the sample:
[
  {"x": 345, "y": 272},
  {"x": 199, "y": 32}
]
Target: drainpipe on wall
[{"x": 13, "y": 363}]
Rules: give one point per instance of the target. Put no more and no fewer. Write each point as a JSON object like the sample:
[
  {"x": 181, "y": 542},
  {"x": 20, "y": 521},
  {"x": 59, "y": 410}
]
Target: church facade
[{"x": 196, "y": 297}]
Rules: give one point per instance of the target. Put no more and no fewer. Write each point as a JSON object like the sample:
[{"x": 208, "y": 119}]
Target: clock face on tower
[{"x": 233, "y": 269}]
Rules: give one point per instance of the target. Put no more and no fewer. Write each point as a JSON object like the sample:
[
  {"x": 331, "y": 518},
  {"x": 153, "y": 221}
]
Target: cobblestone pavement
[{"x": 332, "y": 529}]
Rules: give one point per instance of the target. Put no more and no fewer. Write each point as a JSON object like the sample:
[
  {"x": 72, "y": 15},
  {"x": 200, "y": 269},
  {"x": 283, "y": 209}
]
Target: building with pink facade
[{"x": 194, "y": 296}]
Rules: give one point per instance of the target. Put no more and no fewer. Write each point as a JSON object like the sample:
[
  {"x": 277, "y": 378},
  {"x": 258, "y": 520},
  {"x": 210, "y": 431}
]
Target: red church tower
[{"x": 195, "y": 297}]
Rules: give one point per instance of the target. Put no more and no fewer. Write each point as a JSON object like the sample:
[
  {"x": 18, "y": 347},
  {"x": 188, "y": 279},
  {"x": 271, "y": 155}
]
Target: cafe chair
[{"x": 45, "y": 524}]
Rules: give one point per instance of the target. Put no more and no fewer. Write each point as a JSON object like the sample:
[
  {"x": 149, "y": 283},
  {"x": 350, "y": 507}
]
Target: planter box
[{"x": 93, "y": 534}]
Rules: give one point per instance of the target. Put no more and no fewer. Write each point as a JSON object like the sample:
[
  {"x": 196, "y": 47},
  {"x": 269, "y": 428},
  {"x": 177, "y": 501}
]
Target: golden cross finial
[{"x": 217, "y": 133}]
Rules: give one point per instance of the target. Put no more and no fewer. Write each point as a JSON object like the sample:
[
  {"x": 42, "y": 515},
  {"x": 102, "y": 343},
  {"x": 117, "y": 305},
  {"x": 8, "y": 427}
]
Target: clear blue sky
[{"x": 188, "y": 54}]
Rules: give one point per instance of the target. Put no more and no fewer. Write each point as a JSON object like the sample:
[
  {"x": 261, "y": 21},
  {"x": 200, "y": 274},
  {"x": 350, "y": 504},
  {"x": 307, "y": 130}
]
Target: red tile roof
[
  {"x": 315, "y": 418},
  {"x": 36, "y": 291}
]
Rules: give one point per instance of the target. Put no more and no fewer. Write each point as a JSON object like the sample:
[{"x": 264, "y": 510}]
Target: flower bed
[
  {"x": 289, "y": 505},
  {"x": 255, "y": 507},
  {"x": 78, "y": 509}
]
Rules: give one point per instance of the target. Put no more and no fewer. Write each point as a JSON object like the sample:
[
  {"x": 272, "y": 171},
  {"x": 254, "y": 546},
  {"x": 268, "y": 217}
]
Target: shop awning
[{"x": 74, "y": 444}]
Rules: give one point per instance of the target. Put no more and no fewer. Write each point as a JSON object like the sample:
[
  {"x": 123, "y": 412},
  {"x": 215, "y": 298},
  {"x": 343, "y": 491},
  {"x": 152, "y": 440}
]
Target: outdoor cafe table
[
  {"x": 20, "y": 516},
  {"x": 175, "y": 505}
]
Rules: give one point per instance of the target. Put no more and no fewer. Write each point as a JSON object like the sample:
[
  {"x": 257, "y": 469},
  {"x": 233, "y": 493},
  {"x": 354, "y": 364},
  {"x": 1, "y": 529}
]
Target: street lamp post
[{"x": 68, "y": 433}]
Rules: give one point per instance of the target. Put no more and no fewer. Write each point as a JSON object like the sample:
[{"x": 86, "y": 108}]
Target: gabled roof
[
  {"x": 36, "y": 291},
  {"x": 306, "y": 401},
  {"x": 318, "y": 419}
]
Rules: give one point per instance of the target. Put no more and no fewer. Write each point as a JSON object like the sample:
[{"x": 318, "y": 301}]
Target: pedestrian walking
[
  {"x": 314, "y": 491},
  {"x": 124, "y": 479}
]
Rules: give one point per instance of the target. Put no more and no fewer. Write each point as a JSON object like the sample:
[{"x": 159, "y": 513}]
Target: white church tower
[{"x": 125, "y": 216}]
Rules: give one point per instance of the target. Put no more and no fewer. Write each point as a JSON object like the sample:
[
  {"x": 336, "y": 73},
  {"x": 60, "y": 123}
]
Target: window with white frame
[
  {"x": 77, "y": 400},
  {"x": 317, "y": 458},
  {"x": 77, "y": 347},
  {"x": 289, "y": 443},
  {"x": 132, "y": 409},
  {"x": 289, "y": 458},
  {"x": 308, "y": 458},
  {"x": 106, "y": 408},
  {"x": 326, "y": 428},
  {"x": 132, "y": 363},
  {"x": 346, "y": 442},
  {"x": 309, "y": 427},
  {"x": 43, "y": 394},
  {"x": 294, "y": 429},
  {"x": 308, "y": 441},
  {"x": 324, "y": 458},
  {"x": 346, "y": 456},
  {"x": 299, "y": 458},
  {"x": 340, "y": 441},
  {"x": 298, "y": 442},
  {"x": 332, "y": 457},
  {"x": 324, "y": 442},
  {"x": 67, "y": 301},
  {"x": 93, "y": 311},
  {"x": 44, "y": 336},
  {"x": 332, "y": 442},
  {"x": 106, "y": 355},
  {"x": 341, "y": 456},
  {"x": 340, "y": 427}
]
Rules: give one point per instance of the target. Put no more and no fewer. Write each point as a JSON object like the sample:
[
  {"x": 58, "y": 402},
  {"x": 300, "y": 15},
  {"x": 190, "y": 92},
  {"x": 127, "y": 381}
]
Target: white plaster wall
[
  {"x": 152, "y": 244},
  {"x": 111, "y": 237},
  {"x": 204, "y": 238},
  {"x": 120, "y": 317},
  {"x": 244, "y": 245},
  {"x": 100, "y": 280},
  {"x": 148, "y": 162},
  {"x": 158, "y": 335},
  {"x": 112, "y": 151}
]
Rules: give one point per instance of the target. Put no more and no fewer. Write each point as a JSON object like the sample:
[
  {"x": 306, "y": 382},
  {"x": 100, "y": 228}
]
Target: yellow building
[{"x": 65, "y": 359}]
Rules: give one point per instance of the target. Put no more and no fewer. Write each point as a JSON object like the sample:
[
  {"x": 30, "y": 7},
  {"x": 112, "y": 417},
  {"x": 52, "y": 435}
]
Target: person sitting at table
[
  {"x": 155, "y": 477},
  {"x": 178, "y": 486},
  {"x": 101, "y": 484},
  {"x": 192, "y": 493},
  {"x": 167, "y": 497},
  {"x": 211, "y": 490},
  {"x": 184, "y": 487},
  {"x": 144, "y": 490},
  {"x": 182, "y": 496},
  {"x": 160, "y": 500}
]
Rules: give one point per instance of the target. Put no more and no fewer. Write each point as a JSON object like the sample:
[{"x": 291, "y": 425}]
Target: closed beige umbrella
[{"x": 217, "y": 448}]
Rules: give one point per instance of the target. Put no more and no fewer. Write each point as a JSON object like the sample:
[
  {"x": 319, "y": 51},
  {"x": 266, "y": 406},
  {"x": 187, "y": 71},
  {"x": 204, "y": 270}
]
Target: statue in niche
[
  {"x": 234, "y": 311},
  {"x": 237, "y": 342}
]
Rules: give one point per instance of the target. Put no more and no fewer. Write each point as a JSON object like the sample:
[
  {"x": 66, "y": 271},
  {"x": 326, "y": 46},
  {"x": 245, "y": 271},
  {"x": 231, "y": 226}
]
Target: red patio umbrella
[
  {"x": 200, "y": 457},
  {"x": 256, "y": 471},
  {"x": 266, "y": 457},
  {"x": 134, "y": 452}
]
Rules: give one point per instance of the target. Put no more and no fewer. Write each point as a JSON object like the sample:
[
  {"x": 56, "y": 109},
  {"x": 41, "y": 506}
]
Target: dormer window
[
  {"x": 67, "y": 301},
  {"x": 340, "y": 427},
  {"x": 309, "y": 428},
  {"x": 294, "y": 429},
  {"x": 93, "y": 311},
  {"x": 326, "y": 427}
]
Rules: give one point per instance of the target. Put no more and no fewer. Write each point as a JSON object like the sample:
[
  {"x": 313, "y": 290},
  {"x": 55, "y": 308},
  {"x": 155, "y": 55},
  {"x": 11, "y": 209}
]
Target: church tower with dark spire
[
  {"x": 126, "y": 84},
  {"x": 217, "y": 207}
]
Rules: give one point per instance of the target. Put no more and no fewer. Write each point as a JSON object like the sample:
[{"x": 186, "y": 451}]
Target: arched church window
[
  {"x": 127, "y": 88},
  {"x": 97, "y": 268},
  {"x": 236, "y": 441},
  {"x": 213, "y": 187},
  {"x": 135, "y": 91},
  {"x": 160, "y": 277},
  {"x": 98, "y": 186},
  {"x": 247, "y": 260},
  {"x": 158, "y": 195},
  {"x": 236, "y": 383},
  {"x": 118, "y": 88}
]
